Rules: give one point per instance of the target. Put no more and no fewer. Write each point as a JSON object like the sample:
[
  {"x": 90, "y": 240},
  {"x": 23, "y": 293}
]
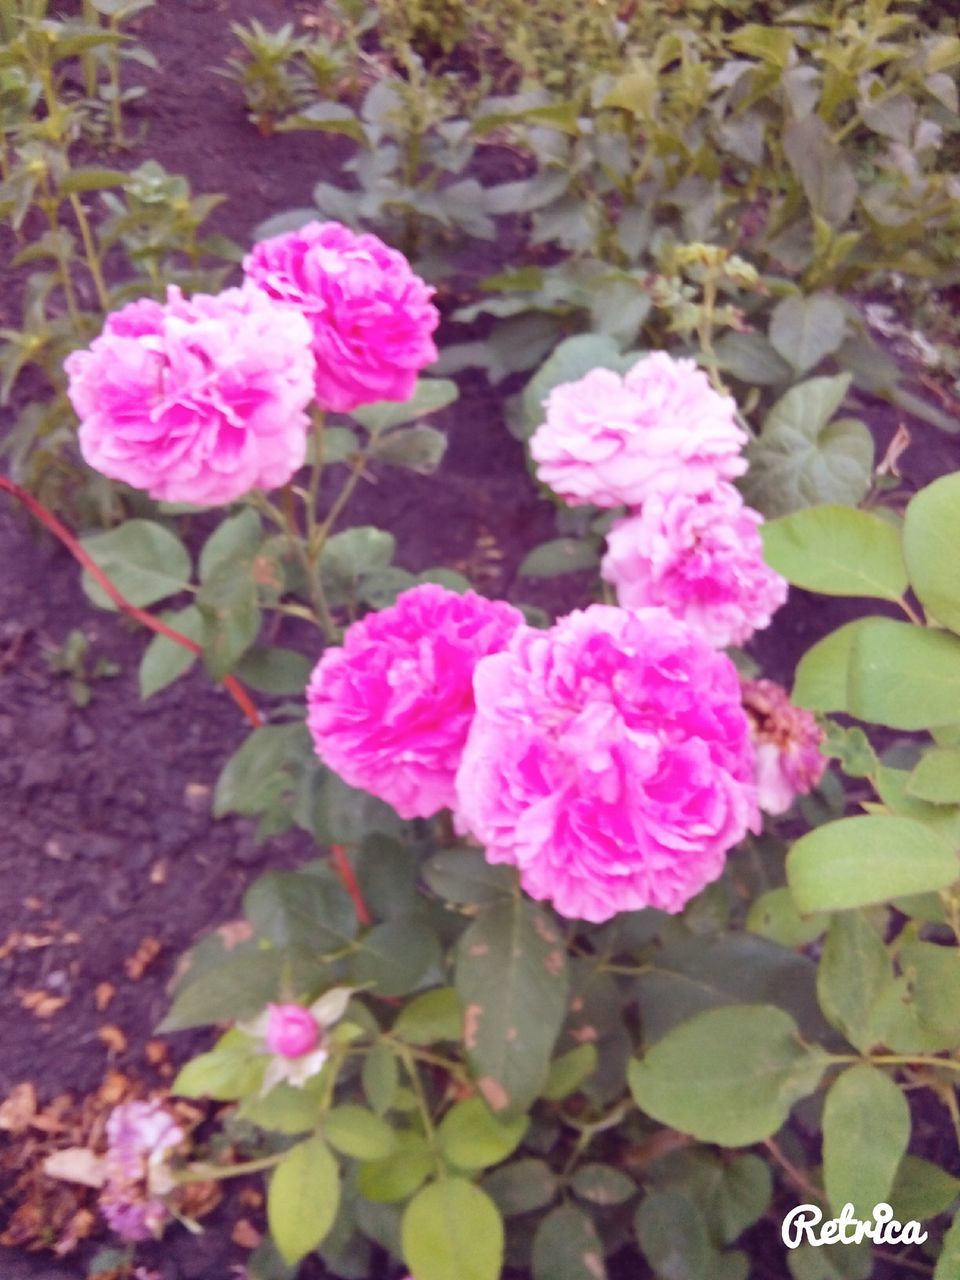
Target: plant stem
[
  {"x": 89, "y": 248},
  {"x": 794, "y": 1175},
  {"x": 911, "y": 613},
  {"x": 341, "y": 863},
  {"x": 212, "y": 1173},
  {"x": 346, "y": 493}
]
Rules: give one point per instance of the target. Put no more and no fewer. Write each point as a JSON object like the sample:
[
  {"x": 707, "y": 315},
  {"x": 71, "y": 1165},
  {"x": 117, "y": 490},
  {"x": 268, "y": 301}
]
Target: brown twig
[{"x": 60, "y": 530}]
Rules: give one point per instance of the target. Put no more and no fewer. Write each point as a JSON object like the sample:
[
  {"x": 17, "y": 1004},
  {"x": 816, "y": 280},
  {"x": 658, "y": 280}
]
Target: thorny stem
[{"x": 56, "y": 527}]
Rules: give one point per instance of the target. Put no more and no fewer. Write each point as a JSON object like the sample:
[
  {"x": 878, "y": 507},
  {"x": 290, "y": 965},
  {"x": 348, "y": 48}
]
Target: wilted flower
[
  {"x": 140, "y": 1139},
  {"x": 390, "y": 710},
  {"x": 699, "y": 557},
  {"x": 610, "y": 761},
  {"x": 296, "y": 1037},
  {"x": 613, "y": 441},
  {"x": 199, "y": 400},
  {"x": 786, "y": 741},
  {"x": 371, "y": 317}
]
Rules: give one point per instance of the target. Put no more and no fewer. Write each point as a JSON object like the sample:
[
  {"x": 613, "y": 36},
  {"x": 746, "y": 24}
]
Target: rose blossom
[
  {"x": 371, "y": 317},
  {"x": 390, "y": 710},
  {"x": 612, "y": 440},
  {"x": 610, "y": 761},
  {"x": 295, "y": 1037},
  {"x": 140, "y": 1138},
  {"x": 786, "y": 742},
  {"x": 197, "y": 400},
  {"x": 699, "y": 557},
  {"x": 291, "y": 1031}
]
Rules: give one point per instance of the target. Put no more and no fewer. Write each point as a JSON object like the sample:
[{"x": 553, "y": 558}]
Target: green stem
[
  {"x": 89, "y": 58},
  {"x": 911, "y": 613},
  {"x": 116, "y": 114},
  {"x": 346, "y": 493},
  {"x": 310, "y": 569},
  {"x": 897, "y": 1060},
  {"x": 406, "y": 1057},
  {"x": 90, "y": 250},
  {"x": 211, "y": 1173},
  {"x": 49, "y": 204}
]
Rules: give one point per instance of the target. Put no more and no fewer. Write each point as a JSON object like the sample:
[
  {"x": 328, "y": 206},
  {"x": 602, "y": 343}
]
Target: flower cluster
[
  {"x": 662, "y": 442},
  {"x": 140, "y": 1139},
  {"x": 201, "y": 400},
  {"x": 786, "y": 742}
]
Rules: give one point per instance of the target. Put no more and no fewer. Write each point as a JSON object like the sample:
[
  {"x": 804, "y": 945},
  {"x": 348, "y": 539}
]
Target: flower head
[
  {"x": 390, "y": 710},
  {"x": 196, "y": 400},
  {"x": 140, "y": 1139},
  {"x": 295, "y": 1037},
  {"x": 786, "y": 741},
  {"x": 612, "y": 440},
  {"x": 701, "y": 558},
  {"x": 371, "y": 317},
  {"x": 609, "y": 761}
]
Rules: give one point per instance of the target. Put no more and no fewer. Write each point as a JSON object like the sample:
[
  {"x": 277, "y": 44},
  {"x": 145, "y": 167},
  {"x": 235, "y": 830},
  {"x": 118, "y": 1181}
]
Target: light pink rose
[
  {"x": 786, "y": 742},
  {"x": 197, "y": 400},
  {"x": 390, "y": 710},
  {"x": 613, "y": 441},
  {"x": 291, "y": 1031},
  {"x": 141, "y": 1137},
  {"x": 371, "y": 317},
  {"x": 699, "y": 557},
  {"x": 610, "y": 761}
]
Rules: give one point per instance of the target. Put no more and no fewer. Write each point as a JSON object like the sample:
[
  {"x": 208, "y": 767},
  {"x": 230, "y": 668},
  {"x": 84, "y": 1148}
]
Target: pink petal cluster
[
  {"x": 197, "y": 400},
  {"x": 786, "y": 741},
  {"x": 370, "y": 315},
  {"x": 614, "y": 441},
  {"x": 291, "y": 1030},
  {"x": 610, "y": 761},
  {"x": 701, "y": 558},
  {"x": 390, "y": 710},
  {"x": 140, "y": 1139}
]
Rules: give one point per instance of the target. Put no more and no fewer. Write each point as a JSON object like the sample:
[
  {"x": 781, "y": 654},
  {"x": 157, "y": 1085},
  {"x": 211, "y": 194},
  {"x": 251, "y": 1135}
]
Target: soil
[{"x": 111, "y": 864}]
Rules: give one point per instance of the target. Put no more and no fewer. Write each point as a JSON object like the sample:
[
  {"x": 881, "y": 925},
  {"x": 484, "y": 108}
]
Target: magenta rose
[
  {"x": 196, "y": 400},
  {"x": 610, "y": 761},
  {"x": 291, "y": 1030},
  {"x": 371, "y": 317},
  {"x": 786, "y": 741},
  {"x": 390, "y": 710}
]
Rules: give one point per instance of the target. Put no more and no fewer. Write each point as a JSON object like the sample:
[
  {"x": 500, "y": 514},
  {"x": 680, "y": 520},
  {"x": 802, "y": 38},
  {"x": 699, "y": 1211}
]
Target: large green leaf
[
  {"x": 859, "y": 861},
  {"x": 472, "y": 1137},
  {"x": 440, "y": 1221},
  {"x": 231, "y": 615},
  {"x": 303, "y": 1198},
  {"x": 511, "y": 977},
  {"x": 828, "y": 181},
  {"x": 232, "y": 1069},
  {"x": 430, "y": 396},
  {"x": 837, "y": 551},
  {"x": 290, "y": 908},
  {"x": 730, "y": 1075},
  {"x": 238, "y": 987},
  {"x": 866, "y": 1127},
  {"x": 821, "y": 680},
  {"x": 521, "y": 1186},
  {"x": 936, "y": 776},
  {"x": 903, "y": 676},
  {"x": 672, "y": 1235},
  {"x": 805, "y": 329},
  {"x": 853, "y": 974},
  {"x": 931, "y": 534},
  {"x": 393, "y": 957},
  {"x": 359, "y": 1133},
  {"x": 567, "y": 1247},
  {"x": 143, "y": 560},
  {"x": 922, "y": 1190}
]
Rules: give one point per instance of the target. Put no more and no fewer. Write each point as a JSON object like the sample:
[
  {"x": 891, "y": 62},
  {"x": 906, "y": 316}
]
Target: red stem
[
  {"x": 56, "y": 527},
  {"x": 344, "y": 870}
]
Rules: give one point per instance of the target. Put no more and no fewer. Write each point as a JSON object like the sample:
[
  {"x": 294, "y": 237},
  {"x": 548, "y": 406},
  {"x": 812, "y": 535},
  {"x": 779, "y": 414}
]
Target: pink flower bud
[{"x": 292, "y": 1030}]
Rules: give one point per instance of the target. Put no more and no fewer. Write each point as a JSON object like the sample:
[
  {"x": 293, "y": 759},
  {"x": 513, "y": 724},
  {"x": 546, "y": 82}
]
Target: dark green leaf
[
  {"x": 143, "y": 560},
  {"x": 567, "y": 1247}
]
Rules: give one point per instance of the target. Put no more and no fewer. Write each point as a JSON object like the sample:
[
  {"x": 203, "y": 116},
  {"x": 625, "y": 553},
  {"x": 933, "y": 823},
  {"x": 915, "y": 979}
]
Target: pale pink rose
[
  {"x": 614, "y": 441},
  {"x": 390, "y": 710},
  {"x": 197, "y": 400},
  {"x": 371, "y": 317},
  {"x": 141, "y": 1137},
  {"x": 700, "y": 557},
  {"x": 786, "y": 741},
  {"x": 292, "y": 1030},
  {"x": 610, "y": 761}
]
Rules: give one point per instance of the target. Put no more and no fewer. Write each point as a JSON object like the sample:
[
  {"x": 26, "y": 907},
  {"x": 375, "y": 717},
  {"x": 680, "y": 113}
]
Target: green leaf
[
  {"x": 437, "y": 1223},
  {"x": 820, "y": 682},
  {"x": 853, "y": 974},
  {"x": 562, "y": 555},
  {"x": 350, "y": 556},
  {"x": 802, "y": 458},
  {"x": 831, "y": 1262},
  {"x": 418, "y": 449},
  {"x": 274, "y": 670},
  {"x": 87, "y": 178},
  {"x": 464, "y": 876},
  {"x": 922, "y": 1190},
  {"x": 511, "y": 977},
  {"x": 232, "y": 1069},
  {"x": 394, "y": 957},
  {"x": 672, "y": 1235},
  {"x": 164, "y": 660},
  {"x": 730, "y": 1075},
  {"x": 932, "y": 975},
  {"x": 828, "y": 182},
  {"x": 237, "y": 537},
  {"x": 837, "y": 551},
  {"x": 380, "y": 1077},
  {"x": 327, "y": 117},
  {"x": 569, "y": 1071},
  {"x": 397, "y": 1176},
  {"x": 303, "y": 1199},
  {"x": 903, "y": 676},
  {"x": 231, "y": 615},
  {"x": 931, "y": 530},
  {"x": 603, "y": 1184},
  {"x": 339, "y": 444},
  {"x": 264, "y": 771},
  {"x": 567, "y": 1247},
  {"x": 359, "y": 1133},
  {"x": 948, "y": 1264},
  {"x": 472, "y": 1137},
  {"x": 859, "y": 861},
  {"x": 750, "y": 358},
  {"x": 430, "y": 396},
  {"x": 805, "y": 329},
  {"x": 573, "y": 358},
  {"x": 774, "y": 916},
  {"x": 143, "y": 560},
  {"x": 291, "y": 908},
  {"x": 521, "y": 1186},
  {"x": 732, "y": 1194},
  {"x": 770, "y": 44},
  {"x": 936, "y": 777},
  {"x": 430, "y": 1017},
  {"x": 240, "y": 986},
  {"x": 284, "y": 1109},
  {"x": 866, "y": 1128}
]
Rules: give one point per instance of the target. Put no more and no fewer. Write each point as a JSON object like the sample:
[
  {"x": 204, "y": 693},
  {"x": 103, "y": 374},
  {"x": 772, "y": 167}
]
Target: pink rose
[
  {"x": 390, "y": 710},
  {"x": 699, "y": 557},
  {"x": 197, "y": 400},
  {"x": 786, "y": 741},
  {"x": 371, "y": 317},
  {"x": 291, "y": 1031},
  {"x": 613, "y": 441},
  {"x": 609, "y": 760}
]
